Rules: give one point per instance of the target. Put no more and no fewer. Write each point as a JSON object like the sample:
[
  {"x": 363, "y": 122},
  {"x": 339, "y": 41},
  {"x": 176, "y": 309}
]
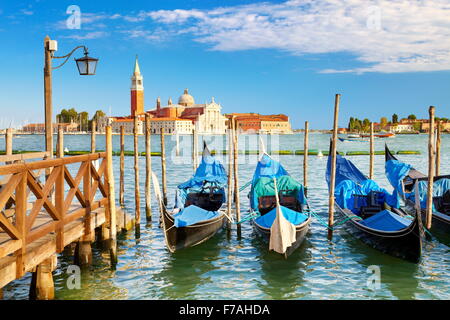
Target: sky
[{"x": 269, "y": 57}]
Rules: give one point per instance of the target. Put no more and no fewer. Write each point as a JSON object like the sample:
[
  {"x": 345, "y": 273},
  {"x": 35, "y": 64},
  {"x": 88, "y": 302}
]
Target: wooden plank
[
  {"x": 21, "y": 213},
  {"x": 23, "y": 156},
  {"x": 74, "y": 183},
  {"x": 9, "y": 247},
  {"x": 49, "y": 163},
  {"x": 8, "y": 189},
  {"x": 42, "y": 195}
]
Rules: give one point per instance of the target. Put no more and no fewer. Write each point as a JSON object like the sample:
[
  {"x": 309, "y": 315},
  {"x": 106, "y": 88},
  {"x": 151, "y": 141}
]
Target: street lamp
[{"x": 86, "y": 66}]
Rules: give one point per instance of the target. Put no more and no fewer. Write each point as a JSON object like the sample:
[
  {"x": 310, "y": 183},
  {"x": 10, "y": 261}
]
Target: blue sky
[{"x": 270, "y": 57}]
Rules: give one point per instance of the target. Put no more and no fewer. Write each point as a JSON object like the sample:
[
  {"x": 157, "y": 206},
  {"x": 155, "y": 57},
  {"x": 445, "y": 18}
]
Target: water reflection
[
  {"x": 281, "y": 276},
  {"x": 399, "y": 276},
  {"x": 185, "y": 270}
]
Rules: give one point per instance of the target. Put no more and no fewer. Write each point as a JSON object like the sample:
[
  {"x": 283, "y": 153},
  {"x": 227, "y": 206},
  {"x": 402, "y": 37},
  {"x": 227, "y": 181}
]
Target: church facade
[{"x": 186, "y": 115}]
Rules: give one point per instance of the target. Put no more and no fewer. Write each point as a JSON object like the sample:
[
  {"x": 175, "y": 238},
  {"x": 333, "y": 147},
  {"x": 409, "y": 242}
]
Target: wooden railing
[{"x": 24, "y": 198}]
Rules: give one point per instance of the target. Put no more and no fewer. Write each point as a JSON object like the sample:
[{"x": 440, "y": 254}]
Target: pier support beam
[
  {"x": 83, "y": 254},
  {"x": 1, "y": 293},
  {"x": 42, "y": 286}
]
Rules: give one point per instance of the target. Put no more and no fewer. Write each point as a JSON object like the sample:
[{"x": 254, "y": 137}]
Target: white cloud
[
  {"x": 87, "y": 36},
  {"x": 384, "y": 36}
]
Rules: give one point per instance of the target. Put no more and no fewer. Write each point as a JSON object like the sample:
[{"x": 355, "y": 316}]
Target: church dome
[{"x": 186, "y": 99}]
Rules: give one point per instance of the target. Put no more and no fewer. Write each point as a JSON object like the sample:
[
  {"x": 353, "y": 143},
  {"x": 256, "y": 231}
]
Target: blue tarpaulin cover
[
  {"x": 267, "y": 167},
  {"x": 345, "y": 170},
  {"x": 351, "y": 181},
  {"x": 210, "y": 172},
  {"x": 386, "y": 221},
  {"x": 192, "y": 215},
  {"x": 262, "y": 182},
  {"x": 439, "y": 188},
  {"x": 396, "y": 171},
  {"x": 292, "y": 216}
]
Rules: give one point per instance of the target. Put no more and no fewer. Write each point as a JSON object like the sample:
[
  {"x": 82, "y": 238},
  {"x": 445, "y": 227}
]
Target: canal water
[{"x": 226, "y": 267}]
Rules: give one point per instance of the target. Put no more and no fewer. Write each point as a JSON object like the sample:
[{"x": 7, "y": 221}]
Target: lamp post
[{"x": 86, "y": 66}]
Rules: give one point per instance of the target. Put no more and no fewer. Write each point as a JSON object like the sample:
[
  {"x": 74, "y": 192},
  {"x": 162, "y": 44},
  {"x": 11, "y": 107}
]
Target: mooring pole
[
  {"x": 163, "y": 168},
  {"x": 148, "y": 169},
  {"x": 305, "y": 157},
  {"x": 60, "y": 143},
  {"x": 230, "y": 172},
  {"x": 236, "y": 176},
  {"x": 372, "y": 152},
  {"x": 431, "y": 168},
  {"x": 194, "y": 167},
  {"x": 137, "y": 196},
  {"x": 111, "y": 199},
  {"x": 333, "y": 167},
  {"x": 122, "y": 169},
  {"x": 438, "y": 148},
  {"x": 93, "y": 133},
  {"x": 9, "y": 142}
]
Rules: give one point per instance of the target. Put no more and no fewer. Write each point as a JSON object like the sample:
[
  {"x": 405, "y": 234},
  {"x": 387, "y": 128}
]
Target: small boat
[
  {"x": 197, "y": 215},
  {"x": 403, "y": 176},
  {"x": 352, "y": 139},
  {"x": 279, "y": 207},
  {"x": 373, "y": 215},
  {"x": 380, "y": 135},
  {"x": 353, "y": 136}
]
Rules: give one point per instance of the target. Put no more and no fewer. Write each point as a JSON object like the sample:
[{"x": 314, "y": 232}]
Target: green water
[{"x": 229, "y": 268}]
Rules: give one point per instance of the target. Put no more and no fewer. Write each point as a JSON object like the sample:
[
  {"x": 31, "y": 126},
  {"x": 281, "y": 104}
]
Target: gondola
[
  {"x": 197, "y": 215},
  {"x": 403, "y": 176},
  {"x": 373, "y": 215},
  {"x": 279, "y": 207}
]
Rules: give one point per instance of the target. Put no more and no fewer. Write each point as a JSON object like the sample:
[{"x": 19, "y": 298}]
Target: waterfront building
[
  {"x": 206, "y": 117},
  {"x": 268, "y": 124}
]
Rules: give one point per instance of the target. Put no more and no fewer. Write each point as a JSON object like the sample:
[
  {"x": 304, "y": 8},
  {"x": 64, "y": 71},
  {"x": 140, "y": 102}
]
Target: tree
[
  {"x": 394, "y": 118},
  {"x": 412, "y": 117},
  {"x": 366, "y": 125},
  {"x": 383, "y": 123},
  {"x": 98, "y": 114}
]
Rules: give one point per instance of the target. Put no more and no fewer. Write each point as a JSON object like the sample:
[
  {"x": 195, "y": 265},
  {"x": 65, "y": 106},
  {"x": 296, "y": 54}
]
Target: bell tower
[{"x": 137, "y": 91}]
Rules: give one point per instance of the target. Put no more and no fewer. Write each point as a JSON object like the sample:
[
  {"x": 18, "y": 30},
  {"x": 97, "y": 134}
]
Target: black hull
[
  {"x": 404, "y": 244},
  {"x": 184, "y": 237},
  {"x": 439, "y": 222},
  {"x": 300, "y": 234}
]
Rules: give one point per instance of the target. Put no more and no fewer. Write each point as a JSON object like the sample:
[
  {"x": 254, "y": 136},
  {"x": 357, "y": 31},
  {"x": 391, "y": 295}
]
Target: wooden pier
[{"x": 47, "y": 205}]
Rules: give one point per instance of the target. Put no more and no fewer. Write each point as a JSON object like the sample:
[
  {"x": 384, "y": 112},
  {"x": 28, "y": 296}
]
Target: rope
[{"x": 245, "y": 186}]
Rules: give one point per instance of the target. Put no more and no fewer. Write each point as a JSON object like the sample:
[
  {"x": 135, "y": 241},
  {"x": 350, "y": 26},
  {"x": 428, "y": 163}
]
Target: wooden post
[
  {"x": 48, "y": 98},
  {"x": 194, "y": 167},
  {"x": 333, "y": 167},
  {"x": 438, "y": 148},
  {"x": 163, "y": 168},
  {"x": 60, "y": 144},
  {"x": 111, "y": 207},
  {"x": 148, "y": 169},
  {"x": 236, "y": 176},
  {"x": 42, "y": 286},
  {"x": 8, "y": 143},
  {"x": 230, "y": 171},
  {"x": 305, "y": 157},
  {"x": 372, "y": 152},
  {"x": 122, "y": 168},
  {"x": 93, "y": 132},
  {"x": 431, "y": 169},
  {"x": 137, "y": 196}
]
